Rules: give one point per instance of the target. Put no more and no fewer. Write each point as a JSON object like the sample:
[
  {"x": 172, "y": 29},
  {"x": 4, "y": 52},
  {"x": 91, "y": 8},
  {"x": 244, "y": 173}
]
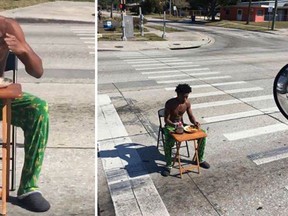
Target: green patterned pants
[
  {"x": 170, "y": 142},
  {"x": 31, "y": 114}
]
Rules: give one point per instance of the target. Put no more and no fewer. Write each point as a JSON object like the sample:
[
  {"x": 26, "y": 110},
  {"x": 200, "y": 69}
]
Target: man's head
[{"x": 183, "y": 91}]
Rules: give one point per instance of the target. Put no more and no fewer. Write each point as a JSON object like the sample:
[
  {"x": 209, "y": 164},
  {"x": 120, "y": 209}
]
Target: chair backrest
[
  {"x": 161, "y": 114},
  {"x": 12, "y": 65}
]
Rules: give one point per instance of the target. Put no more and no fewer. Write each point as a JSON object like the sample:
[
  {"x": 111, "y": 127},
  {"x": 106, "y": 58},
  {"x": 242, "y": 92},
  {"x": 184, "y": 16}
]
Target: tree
[
  {"x": 180, "y": 4},
  {"x": 151, "y": 6},
  {"x": 210, "y": 7}
]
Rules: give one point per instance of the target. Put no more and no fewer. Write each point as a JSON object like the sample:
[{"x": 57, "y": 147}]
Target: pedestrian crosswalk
[
  {"x": 207, "y": 83},
  {"x": 87, "y": 36}
]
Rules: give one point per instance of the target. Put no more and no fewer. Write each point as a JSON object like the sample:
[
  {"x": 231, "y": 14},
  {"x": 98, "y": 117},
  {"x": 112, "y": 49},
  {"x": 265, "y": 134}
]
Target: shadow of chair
[{"x": 161, "y": 136}]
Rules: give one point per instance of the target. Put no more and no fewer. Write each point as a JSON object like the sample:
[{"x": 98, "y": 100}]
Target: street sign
[{"x": 270, "y": 9}]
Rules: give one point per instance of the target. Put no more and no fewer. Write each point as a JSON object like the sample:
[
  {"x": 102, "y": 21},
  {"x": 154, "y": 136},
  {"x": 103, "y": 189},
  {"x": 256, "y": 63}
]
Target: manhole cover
[
  {"x": 119, "y": 46},
  {"x": 176, "y": 44}
]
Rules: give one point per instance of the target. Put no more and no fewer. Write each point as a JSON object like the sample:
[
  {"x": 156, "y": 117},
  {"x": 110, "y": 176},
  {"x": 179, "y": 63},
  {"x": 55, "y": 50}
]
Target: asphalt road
[
  {"x": 67, "y": 50},
  {"x": 232, "y": 83}
]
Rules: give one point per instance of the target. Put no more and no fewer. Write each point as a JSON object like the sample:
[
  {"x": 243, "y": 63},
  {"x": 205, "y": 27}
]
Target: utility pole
[
  {"x": 249, "y": 9},
  {"x": 164, "y": 25},
  {"x": 169, "y": 8},
  {"x": 141, "y": 22},
  {"x": 123, "y": 13},
  {"x": 274, "y": 15}
]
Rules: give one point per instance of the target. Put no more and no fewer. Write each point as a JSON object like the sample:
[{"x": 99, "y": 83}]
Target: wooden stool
[
  {"x": 179, "y": 138},
  {"x": 6, "y": 95}
]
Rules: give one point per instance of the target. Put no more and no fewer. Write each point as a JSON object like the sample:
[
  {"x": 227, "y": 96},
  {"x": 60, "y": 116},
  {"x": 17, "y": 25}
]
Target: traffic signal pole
[
  {"x": 123, "y": 13},
  {"x": 274, "y": 15}
]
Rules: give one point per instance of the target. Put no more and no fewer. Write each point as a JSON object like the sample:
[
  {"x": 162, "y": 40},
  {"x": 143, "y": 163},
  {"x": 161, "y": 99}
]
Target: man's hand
[
  {"x": 197, "y": 124},
  {"x": 14, "y": 44}
]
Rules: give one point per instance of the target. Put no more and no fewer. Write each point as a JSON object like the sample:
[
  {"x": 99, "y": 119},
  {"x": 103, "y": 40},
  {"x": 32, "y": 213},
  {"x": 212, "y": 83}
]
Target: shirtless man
[
  {"x": 174, "y": 111},
  {"x": 28, "y": 112}
]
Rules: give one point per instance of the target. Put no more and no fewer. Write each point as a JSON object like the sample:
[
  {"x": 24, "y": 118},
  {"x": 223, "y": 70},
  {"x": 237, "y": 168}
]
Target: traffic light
[{"x": 122, "y": 7}]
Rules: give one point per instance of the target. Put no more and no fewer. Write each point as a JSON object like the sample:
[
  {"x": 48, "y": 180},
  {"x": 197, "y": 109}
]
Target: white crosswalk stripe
[
  {"x": 210, "y": 85},
  {"x": 232, "y": 101},
  {"x": 175, "y": 71},
  {"x": 244, "y": 134},
  {"x": 170, "y": 70},
  {"x": 87, "y": 35},
  {"x": 179, "y": 75}
]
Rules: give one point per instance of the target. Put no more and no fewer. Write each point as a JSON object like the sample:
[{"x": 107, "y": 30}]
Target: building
[{"x": 259, "y": 12}]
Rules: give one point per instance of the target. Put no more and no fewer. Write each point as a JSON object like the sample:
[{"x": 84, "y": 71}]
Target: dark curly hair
[{"x": 183, "y": 89}]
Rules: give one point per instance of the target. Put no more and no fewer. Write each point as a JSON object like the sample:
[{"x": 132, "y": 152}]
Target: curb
[{"x": 42, "y": 20}]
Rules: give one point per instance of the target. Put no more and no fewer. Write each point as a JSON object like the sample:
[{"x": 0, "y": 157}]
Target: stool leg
[
  {"x": 188, "y": 154},
  {"x": 6, "y": 123}
]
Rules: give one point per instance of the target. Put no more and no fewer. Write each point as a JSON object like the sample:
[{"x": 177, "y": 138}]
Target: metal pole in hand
[{"x": 164, "y": 25}]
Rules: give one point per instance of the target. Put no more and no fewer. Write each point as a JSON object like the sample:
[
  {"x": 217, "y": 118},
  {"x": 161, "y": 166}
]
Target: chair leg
[
  {"x": 158, "y": 139},
  {"x": 13, "y": 175},
  {"x": 187, "y": 149}
]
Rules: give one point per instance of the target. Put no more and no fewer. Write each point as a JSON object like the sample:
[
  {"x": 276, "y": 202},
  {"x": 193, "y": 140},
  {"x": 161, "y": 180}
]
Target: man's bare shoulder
[{"x": 170, "y": 102}]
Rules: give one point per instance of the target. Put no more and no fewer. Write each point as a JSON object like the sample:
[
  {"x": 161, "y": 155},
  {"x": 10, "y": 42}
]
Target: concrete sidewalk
[
  {"x": 173, "y": 41},
  {"x": 59, "y": 12},
  {"x": 67, "y": 179}
]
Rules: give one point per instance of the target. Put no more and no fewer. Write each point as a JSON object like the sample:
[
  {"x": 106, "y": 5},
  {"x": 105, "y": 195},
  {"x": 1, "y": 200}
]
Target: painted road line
[
  {"x": 170, "y": 67},
  {"x": 232, "y": 101},
  {"x": 270, "y": 110},
  {"x": 85, "y": 34},
  {"x": 92, "y": 53},
  {"x": 148, "y": 64},
  {"x": 225, "y": 92},
  {"x": 244, "y": 90},
  {"x": 256, "y": 132},
  {"x": 232, "y": 116},
  {"x": 107, "y": 110},
  {"x": 82, "y": 29},
  {"x": 216, "y": 103},
  {"x": 258, "y": 98},
  {"x": 91, "y": 47},
  {"x": 179, "y": 75},
  {"x": 87, "y": 38},
  {"x": 209, "y": 85},
  {"x": 155, "y": 59},
  {"x": 269, "y": 156},
  {"x": 175, "y": 71},
  {"x": 160, "y": 63},
  {"x": 216, "y": 77},
  {"x": 127, "y": 177},
  {"x": 192, "y": 79},
  {"x": 143, "y": 61},
  {"x": 89, "y": 42}
]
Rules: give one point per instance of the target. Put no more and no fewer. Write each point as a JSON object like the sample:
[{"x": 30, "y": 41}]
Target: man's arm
[
  {"x": 16, "y": 43},
  {"x": 191, "y": 116}
]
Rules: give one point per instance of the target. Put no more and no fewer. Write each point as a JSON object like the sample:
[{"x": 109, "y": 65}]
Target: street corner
[
  {"x": 131, "y": 45},
  {"x": 176, "y": 45}
]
